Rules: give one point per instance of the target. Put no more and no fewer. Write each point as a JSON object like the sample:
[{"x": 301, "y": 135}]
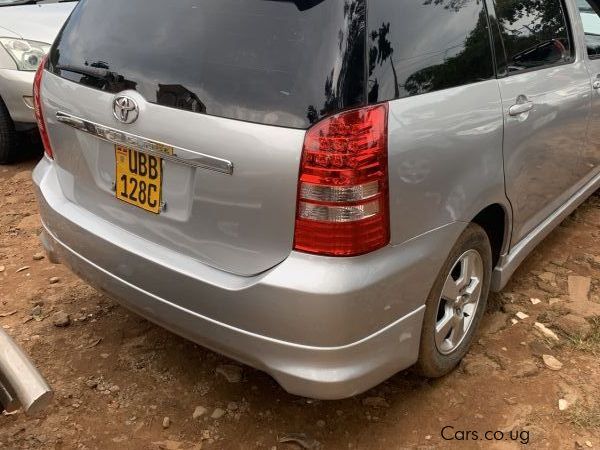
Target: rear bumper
[
  {"x": 16, "y": 90},
  {"x": 322, "y": 327}
]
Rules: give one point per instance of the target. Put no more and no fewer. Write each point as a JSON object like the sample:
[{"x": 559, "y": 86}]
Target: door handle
[{"x": 523, "y": 105}]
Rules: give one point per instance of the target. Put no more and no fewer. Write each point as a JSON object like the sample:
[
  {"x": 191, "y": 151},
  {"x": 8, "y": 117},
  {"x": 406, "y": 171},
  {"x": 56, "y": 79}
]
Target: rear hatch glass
[{"x": 276, "y": 62}]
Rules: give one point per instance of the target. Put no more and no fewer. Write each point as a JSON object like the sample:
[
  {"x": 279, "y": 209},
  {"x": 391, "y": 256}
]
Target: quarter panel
[{"x": 445, "y": 157}]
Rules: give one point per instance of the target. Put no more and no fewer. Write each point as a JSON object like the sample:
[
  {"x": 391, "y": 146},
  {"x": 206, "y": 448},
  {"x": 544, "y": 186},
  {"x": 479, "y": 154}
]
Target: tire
[
  {"x": 456, "y": 294},
  {"x": 8, "y": 135}
]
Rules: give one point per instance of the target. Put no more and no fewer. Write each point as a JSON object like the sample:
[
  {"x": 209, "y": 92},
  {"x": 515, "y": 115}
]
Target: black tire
[
  {"x": 8, "y": 136},
  {"x": 432, "y": 362}
]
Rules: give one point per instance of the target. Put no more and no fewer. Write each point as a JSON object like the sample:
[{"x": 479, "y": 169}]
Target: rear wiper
[{"x": 96, "y": 72}]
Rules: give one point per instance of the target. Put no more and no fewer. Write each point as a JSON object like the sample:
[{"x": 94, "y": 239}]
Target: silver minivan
[{"x": 326, "y": 190}]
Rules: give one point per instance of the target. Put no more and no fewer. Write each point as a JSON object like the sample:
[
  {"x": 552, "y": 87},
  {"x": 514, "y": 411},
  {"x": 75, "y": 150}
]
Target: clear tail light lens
[
  {"x": 37, "y": 103},
  {"x": 343, "y": 201}
]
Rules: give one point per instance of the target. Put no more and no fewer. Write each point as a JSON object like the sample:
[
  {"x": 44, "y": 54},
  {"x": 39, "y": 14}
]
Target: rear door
[
  {"x": 546, "y": 93},
  {"x": 589, "y": 11},
  {"x": 224, "y": 91}
]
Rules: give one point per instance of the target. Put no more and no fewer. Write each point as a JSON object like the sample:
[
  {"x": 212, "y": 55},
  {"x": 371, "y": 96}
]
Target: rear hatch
[{"x": 225, "y": 89}]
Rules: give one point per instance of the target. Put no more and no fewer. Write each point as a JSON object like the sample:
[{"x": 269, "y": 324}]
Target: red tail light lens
[
  {"x": 37, "y": 103},
  {"x": 343, "y": 192}
]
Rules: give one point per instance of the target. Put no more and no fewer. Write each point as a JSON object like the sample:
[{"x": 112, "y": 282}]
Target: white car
[{"x": 27, "y": 29}]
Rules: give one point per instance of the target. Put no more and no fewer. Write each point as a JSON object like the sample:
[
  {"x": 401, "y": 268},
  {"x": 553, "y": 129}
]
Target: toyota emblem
[{"x": 125, "y": 109}]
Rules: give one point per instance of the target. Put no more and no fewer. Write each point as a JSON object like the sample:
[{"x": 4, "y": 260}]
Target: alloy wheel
[{"x": 459, "y": 301}]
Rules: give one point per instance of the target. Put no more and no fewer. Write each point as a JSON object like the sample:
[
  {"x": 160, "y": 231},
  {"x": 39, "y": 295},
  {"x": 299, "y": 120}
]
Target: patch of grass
[
  {"x": 590, "y": 344},
  {"x": 586, "y": 416}
]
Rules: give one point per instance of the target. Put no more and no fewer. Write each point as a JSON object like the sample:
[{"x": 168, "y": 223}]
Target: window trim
[
  {"x": 572, "y": 43},
  {"x": 496, "y": 42}
]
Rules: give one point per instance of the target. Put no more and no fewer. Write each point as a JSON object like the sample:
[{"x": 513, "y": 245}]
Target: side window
[
  {"x": 588, "y": 10},
  {"x": 535, "y": 33},
  {"x": 416, "y": 47}
]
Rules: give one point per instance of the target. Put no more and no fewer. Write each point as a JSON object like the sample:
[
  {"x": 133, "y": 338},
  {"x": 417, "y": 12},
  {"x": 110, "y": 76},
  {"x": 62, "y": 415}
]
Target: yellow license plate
[{"x": 138, "y": 178}]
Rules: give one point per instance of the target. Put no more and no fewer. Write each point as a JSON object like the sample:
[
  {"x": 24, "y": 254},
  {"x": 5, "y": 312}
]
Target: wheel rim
[{"x": 459, "y": 301}]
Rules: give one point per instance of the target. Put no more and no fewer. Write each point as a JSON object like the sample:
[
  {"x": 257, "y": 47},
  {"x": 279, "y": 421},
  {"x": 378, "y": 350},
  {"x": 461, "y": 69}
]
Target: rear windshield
[{"x": 277, "y": 62}]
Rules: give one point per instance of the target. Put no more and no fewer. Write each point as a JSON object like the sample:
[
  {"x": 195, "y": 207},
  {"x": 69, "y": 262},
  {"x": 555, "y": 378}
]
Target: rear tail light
[
  {"x": 37, "y": 104},
  {"x": 343, "y": 189}
]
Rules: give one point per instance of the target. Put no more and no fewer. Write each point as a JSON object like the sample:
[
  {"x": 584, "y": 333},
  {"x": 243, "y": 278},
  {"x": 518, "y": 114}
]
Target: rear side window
[
  {"x": 534, "y": 34},
  {"x": 416, "y": 47},
  {"x": 588, "y": 10},
  {"x": 277, "y": 62}
]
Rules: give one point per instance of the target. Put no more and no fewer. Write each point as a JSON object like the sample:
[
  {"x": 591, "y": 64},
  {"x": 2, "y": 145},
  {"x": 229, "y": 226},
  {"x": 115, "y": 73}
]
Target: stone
[
  {"x": 536, "y": 301},
  {"x": 36, "y": 311},
  {"x": 479, "y": 366},
  {"x": 551, "y": 289},
  {"x": 579, "y": 288},
  {"x": 525, "y": 369},
  {"x": 503, "y": 361},
  {"x": 521, "y": 315},
  {"x": 496, "y": 322},
  {"x": 232, "y": 406},
  {"x": 547, "y": 277},
  {"x": 61, "y": 319},
  {"x": 199, "y": 412},
  {"x": 546, "y": 331},
  {"x": 166, "y": 423},
  {"x": 510, "y": 309},
  {"x": 582, "y": 443},
  {"x": 563, "y": 405},
  {"x": 584, "y": 309},
  {"x": 574, "y": 326},
  {"x": 301, "y": 439},
  {"x": 167, "y": 445},
  {"x": 551, "y": 362},
  {"x": 38, "y": 256},
  {"x": 2, "y": 269},
  {"x": 217, "y": 413},
  {"x": 54, "y": 280},
  {"x": 232, "y": 373},
  {"x": 375, "y": 402},
  {"x": 594, "y": 260}
]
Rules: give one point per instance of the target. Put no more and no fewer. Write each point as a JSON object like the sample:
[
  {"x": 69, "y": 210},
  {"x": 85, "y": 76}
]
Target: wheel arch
[{"x": 495, "y": 219}]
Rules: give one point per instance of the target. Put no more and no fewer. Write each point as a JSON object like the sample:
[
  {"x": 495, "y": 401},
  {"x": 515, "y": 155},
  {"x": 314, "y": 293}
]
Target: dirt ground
[{"x": 118, "y": 377}]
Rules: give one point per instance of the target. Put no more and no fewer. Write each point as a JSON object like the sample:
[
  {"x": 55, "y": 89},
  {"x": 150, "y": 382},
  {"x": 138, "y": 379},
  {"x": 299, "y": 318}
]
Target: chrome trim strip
[{"x": 155, "y": 148}]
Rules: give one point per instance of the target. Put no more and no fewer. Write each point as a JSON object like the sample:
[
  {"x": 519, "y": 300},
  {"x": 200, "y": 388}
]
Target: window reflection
[
  {"x": 279, "y": 62},
  {"x": 416, "y": 48},
  {"x": 534, "y": 33}
]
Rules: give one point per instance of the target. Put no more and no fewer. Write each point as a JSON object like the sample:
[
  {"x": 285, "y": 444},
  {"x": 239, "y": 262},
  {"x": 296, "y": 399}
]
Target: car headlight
[{"x": 27, "y": 54}]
